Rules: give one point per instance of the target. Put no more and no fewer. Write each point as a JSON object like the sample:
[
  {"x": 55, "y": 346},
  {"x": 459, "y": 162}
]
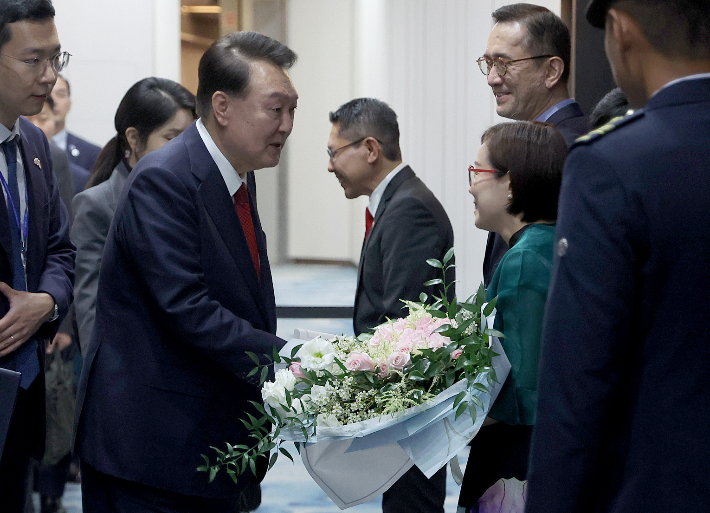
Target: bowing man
[{"x": 185, "y": 290}]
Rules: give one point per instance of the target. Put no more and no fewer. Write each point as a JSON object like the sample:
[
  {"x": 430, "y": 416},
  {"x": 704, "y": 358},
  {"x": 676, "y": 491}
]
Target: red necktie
[
  {"x": 368, "y": 222},
  {"x": 241, "y": 202}
]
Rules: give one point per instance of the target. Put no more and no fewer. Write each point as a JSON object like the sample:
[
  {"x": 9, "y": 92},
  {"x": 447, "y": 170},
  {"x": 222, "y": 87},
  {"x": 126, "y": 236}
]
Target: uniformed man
[{"x": 624, "y": 394}]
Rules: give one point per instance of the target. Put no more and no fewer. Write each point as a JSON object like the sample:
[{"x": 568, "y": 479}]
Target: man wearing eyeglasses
[
  {"x": 527, "y": 63},
  {"x": 404, "y": 226},
  {"x": 36, "y": 255}
]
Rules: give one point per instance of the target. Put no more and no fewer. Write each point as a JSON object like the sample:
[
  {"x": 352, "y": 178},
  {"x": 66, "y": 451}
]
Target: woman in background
[
  {"x": 153, "y": 111},
  {"x": 515, "y": 184}
]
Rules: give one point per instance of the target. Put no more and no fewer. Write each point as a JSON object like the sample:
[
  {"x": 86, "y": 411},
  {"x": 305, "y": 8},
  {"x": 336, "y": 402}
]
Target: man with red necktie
[
  {"x": 185, "y": 291},
  {"x": 405, "y": 225}
]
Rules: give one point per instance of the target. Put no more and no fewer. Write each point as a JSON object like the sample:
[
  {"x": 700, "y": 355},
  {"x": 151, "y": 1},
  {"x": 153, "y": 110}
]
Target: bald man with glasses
[{"x": 36, "y": 255}]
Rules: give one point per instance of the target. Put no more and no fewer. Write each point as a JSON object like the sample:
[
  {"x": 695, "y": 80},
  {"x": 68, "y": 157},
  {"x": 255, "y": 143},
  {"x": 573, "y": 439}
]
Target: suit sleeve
[
  {"x": 89, "y": 232},
  {"x": 57, "y": 277},
  {"x": 159, "y": 231},
  {"x": 411, "y": 234},
  {"x": 587, "y": 346}
]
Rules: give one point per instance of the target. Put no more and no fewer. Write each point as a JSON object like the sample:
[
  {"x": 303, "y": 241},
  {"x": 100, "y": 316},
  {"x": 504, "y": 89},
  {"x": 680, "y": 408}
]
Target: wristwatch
[{"x": 55, "y": 313}]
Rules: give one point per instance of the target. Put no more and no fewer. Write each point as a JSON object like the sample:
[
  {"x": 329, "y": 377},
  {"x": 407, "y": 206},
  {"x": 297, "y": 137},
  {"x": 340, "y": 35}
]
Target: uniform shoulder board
[{"x": 612, "y": 125}]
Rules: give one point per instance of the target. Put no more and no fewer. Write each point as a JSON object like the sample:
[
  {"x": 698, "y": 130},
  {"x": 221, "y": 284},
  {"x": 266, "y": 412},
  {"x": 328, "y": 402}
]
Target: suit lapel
[
  {"x": 220, "y": 208},
  {"x": 405, "y": 174}
]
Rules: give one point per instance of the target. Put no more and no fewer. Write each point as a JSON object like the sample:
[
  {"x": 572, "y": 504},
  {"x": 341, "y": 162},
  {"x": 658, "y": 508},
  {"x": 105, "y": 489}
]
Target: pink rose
[
  {"x": 384, "y": 370},
  {"x": 399, "y": 360},
  {"x": 404, "y": 346},
  {"x": 457, "y": 352},
  {"x": 425, "y": 324},
  {"x": 359, "y": 362},
  {"x": 295, "y": 369},
  {"x": 437, "y": 341},
  {"x": 376, "y": 340}
]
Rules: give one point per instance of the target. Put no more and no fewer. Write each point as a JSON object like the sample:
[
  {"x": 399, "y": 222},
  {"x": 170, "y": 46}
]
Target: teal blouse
[{"x": 521, "y": 282}]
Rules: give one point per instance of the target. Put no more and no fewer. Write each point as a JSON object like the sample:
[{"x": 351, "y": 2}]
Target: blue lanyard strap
[{"x": 24, "y": 228}]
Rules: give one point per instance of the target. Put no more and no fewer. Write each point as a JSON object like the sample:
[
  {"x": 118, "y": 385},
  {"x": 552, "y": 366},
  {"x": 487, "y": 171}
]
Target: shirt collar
[
  {"x": 549, "y": 112},
  {"x": 376, "y": 195},
  {"x": 697, "y": 76},
  {"x": 229, "y": 174},
  {"x": 60, "y": 139},
  {"x": 6, "y": 134}
]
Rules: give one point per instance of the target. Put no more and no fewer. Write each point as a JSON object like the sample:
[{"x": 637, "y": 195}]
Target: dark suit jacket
[
  {"x": 410, "y": 226},
  {"x": 50, "y": 254},
  {"x": 572, "y": 123},
  {"x": 179, "y": 303},
  {"x": 624, "y": 393},
  {"x": 82, "y": 152}
]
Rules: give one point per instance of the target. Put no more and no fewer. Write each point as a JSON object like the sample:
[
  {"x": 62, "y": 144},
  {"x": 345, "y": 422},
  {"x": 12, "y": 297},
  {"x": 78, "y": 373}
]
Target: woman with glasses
[
  {"x": 153, "y": 111},
  {"x": 515, "y": 184}
]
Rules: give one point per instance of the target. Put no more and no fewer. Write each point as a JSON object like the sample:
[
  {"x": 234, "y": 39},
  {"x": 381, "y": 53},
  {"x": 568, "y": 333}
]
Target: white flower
[
  {"x": 286, "y": 379},
  {"x": 273, "y": 394},
  {"x": 328, "y": 420},
  {"x": 319, "y": 394},
  {"x": 316, "y": 354}
]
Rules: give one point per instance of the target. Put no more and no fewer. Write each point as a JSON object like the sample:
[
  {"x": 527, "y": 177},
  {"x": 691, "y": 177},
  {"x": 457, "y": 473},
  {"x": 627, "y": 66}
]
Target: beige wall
[{"x": 417, "y": 55}]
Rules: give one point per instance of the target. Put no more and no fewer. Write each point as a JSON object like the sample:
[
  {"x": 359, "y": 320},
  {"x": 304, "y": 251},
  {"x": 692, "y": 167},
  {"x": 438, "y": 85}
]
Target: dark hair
[
  {"x": 225, "y": 66},
  {"x": 546, "y": 32},
  {"x": 12, "y": 11},
  {"x": 674, "y": 28},
  {"x": 147, "y": 105},
  {"x": 533, "y": 155},
  {"x": 368, "y": 117},
  {"x": 613, "y": 104},
  {"x": 59, "y": 75}
]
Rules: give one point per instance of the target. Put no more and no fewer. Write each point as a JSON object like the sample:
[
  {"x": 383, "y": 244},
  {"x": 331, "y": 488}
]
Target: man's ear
[
  {"x": 555, "y": 69},
  {"x": 623, "y": 29},
  {"x": 374, "y": 150},
  {"x": 221, "y": 103}
]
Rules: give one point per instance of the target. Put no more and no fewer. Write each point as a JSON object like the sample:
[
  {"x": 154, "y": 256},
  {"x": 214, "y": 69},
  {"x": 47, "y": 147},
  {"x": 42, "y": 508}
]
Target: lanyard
[{"x": 22, "y": 228}]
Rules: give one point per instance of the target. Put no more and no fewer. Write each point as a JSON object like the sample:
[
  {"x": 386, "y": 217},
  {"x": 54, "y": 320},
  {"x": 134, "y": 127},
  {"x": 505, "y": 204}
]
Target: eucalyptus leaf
[
  {"x": 435, "y": 281},
  {"x": 449, "y": 255},
  {"x": 435, "y": 263},
  {"x": 254, "y": 358},
  {"x": 213, "y": 473}
]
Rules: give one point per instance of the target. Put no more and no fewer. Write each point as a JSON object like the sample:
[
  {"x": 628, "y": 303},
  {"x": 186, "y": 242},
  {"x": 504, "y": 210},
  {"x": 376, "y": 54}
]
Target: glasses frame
[
  {"x": 333, "y": 153},
  {"x": 59, "y": 62},
  {"x": 501, "y": 64},
  {"x": 473, "y": 173}
]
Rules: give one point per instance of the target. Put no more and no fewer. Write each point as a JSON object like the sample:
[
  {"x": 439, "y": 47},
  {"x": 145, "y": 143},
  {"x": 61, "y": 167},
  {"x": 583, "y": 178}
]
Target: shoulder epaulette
[{"x": 612, "y": 125}]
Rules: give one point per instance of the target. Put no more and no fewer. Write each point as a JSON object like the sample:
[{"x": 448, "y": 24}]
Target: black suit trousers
[{"x": 23, "y": 442}]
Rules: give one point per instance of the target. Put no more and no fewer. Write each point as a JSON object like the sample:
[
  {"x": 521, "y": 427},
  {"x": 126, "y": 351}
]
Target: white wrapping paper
[{"x": 355, "y": 463}]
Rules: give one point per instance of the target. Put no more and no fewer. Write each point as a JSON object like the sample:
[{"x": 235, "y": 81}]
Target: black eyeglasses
[
  {"x": 58, "y": 62},
  {"x": 333, "y": 153},
  {"x": 486, "y": 64}
]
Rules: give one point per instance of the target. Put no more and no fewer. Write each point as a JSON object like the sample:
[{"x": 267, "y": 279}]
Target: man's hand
[
  {"x": 28, "y": 311},
  {"x": 60, "y": 342}
]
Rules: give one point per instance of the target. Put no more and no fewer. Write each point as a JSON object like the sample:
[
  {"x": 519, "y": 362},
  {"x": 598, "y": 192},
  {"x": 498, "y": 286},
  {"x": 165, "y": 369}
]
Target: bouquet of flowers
[{"x": 414, "y": 391}]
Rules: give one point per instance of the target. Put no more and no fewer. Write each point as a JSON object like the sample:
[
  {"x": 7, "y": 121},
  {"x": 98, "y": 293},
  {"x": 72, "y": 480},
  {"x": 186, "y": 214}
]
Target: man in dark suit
[
  {"x": 36, "y": 255},
  {"x": 80, "y": 151},
  {"x": 405, "y": 226},
  {"x": 185, "y": 291},
  {"x": 624, "y": 395},
  {"x": 527, "y": 62}
]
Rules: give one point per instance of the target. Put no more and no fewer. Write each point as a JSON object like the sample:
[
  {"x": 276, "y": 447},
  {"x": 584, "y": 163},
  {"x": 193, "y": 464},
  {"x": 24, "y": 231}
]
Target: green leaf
[
  {"x": 213, "y": 473},
  {"x": 295, "y": 350},
  {"x": 481, "y": 388},
  {"x": 435, "y": 263},
  {"x": 252, "y": 466},
  {"x": 449, "y": 254},
  {"x": 253, "y": 357},
  {"x": 481, "y": 295},
  {"x": 273, "y": 459},
  {"x": 203, "y": 468},
  {"x": 490, "y": 306},
  {"x": 423, "y": 297},
  {"x": 286, "y": 453},
  {"x": 253, "y": 371},
  {"x": 220, "y": 452},
  {"x": 494, "y": 333},
  {"x": 416, "y": 376},
  {"x": 438, "y": 314},
  {"x": 475, "y": 400},
  {"x": 232, "y": 474},
  {"x": 435, "y": 281},
  {"x": 460, "y": 397},
  {"x": 462, "y": 408},
  {"x": 264, "y": 374}
]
